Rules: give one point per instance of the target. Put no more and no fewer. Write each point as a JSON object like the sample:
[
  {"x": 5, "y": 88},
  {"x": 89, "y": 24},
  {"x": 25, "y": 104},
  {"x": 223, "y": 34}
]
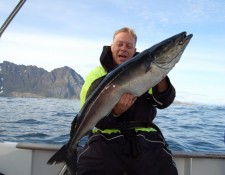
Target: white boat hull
[{"x": 31, "y": 159}]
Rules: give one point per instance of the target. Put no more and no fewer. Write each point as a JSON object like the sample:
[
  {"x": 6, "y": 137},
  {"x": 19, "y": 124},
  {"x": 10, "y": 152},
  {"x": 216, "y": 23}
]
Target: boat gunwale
[{"x": 177, "y": 154}]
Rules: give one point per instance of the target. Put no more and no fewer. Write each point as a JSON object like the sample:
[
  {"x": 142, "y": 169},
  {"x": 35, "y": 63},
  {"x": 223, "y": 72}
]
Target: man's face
[{"x": 123, "y": 47}]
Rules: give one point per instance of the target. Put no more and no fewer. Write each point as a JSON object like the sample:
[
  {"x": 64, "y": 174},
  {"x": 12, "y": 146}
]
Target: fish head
[{"x": 168, "y": 52}]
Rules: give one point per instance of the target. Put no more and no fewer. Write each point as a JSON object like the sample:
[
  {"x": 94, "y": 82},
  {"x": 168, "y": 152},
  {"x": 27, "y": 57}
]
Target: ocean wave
[
  {"x": 32, "y": 135},
  {"x": 30, "y": 122}
]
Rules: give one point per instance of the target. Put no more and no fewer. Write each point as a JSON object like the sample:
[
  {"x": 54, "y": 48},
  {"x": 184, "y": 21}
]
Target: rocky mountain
[{"x": 31, "y": 81}]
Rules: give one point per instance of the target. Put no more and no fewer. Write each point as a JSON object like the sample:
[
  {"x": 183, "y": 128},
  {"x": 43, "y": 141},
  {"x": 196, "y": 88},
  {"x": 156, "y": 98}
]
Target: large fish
[{"x": 135, "y": 76}]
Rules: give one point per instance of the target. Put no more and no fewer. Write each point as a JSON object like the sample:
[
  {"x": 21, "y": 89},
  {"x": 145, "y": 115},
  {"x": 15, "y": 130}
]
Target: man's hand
[{"x": 125, "y": 102}]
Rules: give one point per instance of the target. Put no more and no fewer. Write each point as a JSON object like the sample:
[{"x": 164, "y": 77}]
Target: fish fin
[
  {"x": 62, "y": 155},
  {"x": 59, "y": 156}
]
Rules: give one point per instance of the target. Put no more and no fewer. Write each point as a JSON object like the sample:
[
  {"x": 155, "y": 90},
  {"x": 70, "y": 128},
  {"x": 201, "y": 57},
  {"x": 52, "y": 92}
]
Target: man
[{"x": 126, "y": 141}]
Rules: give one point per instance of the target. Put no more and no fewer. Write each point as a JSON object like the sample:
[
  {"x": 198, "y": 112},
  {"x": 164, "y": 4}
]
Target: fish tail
[
  {"x": 71, "y": 163},
  {"x": 59, "y": 156},
  {"x": 62, "y": 155}
]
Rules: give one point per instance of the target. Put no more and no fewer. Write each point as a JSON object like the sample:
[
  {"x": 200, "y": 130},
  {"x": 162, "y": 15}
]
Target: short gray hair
[{"x": 128, "y": 30}]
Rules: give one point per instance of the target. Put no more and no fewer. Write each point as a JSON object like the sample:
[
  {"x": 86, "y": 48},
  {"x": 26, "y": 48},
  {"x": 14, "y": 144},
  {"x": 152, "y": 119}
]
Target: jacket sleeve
[
  {"x": 90, "y": 83},
  {"x": 164, "y": 99}
]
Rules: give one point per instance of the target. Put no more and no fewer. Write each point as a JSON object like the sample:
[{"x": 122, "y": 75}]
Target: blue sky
[{"x": 57, "y": 33}]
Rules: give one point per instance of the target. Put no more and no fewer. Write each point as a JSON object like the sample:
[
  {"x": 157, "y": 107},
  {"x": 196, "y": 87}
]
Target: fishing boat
[{"x": 31, "y": 159}]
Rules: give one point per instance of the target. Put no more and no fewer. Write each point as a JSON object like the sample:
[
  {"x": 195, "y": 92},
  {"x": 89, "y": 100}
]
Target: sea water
[{"x": 186, "y": 127}]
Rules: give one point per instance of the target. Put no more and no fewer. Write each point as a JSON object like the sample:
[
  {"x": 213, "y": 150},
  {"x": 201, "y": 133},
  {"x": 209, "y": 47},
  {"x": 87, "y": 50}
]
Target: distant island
[{"x": 31, "y": 81}]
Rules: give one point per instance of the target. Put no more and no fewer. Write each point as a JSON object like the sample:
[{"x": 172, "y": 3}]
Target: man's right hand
[{"x": 125, "y": 102}]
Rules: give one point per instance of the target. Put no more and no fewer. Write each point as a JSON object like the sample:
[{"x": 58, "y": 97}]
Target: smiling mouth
[{"x": 122, "y": 56}]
